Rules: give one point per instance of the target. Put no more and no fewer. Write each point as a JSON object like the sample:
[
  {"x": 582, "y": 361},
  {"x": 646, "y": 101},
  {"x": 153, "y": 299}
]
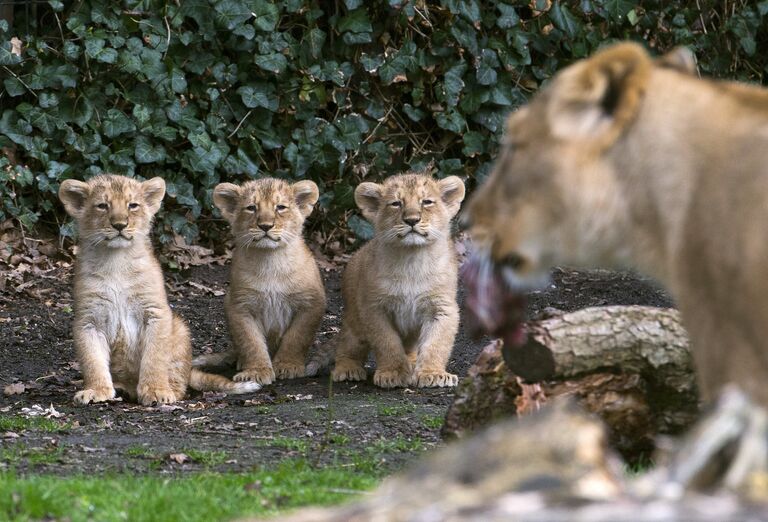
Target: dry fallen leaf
[
  {"x": 179, "y": 458},
  {"x": 16, "y": 388}
]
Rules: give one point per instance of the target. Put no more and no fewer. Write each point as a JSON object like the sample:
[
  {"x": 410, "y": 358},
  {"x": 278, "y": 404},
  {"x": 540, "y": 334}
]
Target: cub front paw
[
  {"x": 348, "y": 372},
  {"x": 435, "y": 379},
  {"x": 288, "y": 370},
  {"x": 263, "y": 375},
  {"x": 391, "y": 378},
  {"x": 94, "y": 395},
  {"x": 157, "y": 397}
]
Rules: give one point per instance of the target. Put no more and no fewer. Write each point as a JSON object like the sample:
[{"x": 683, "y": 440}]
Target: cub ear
[
  {"x": 74, "y": 194},
  {"x": 225, "y": 197},
  {"x": 368, "y": 198},
  {"x": 681, "y": 59},
  {"x": 154, "y": 191},
  {"x": 595, "y": 99},
  {"x": 305, "y": 193},
  {"x": 452, "y": 193}
]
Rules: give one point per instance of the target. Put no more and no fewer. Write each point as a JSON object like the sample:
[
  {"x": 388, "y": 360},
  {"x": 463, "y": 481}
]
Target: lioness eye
[
  {"x": 427, "y": 202},
  {"x": 102, "y": 206},
  {"x": 251, "y": 208},
  {"x": 395, "y": 204},
  {"x": 133, "y": 206},
  {"x": 280, "y": 208}
]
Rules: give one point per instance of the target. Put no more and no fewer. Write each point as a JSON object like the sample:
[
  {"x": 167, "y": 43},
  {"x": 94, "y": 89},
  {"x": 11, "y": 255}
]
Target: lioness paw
[
  {"x": 157, "y": 397},
  {"x": 287, "y": 370},
  {"x": 391, "y": 378},
  {"x": 348, "y": 372},
  {"x": 94, "y": 395},
  {"x": 263, "y": 375},
  {"x": 435, "y": 379}
]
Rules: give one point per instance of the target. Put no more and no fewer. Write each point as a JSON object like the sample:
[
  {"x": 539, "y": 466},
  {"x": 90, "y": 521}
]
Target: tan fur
[
  {"x": 400, "y": 288},
  {"x": 126, "y": 336},
  {"x": 623, "y": 160},
  {"x": 276, "y": 298}
]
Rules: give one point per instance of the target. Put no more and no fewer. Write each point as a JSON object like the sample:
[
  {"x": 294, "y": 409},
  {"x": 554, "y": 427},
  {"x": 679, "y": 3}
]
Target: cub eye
[
  {"x": 427, "y": 202},
  {"x": 133, "y": 206},
  {"x": 280, "y": 208},
  {"x": 251, "y": 208},
  {"x": 102, "y": 206},
  {"x": 396, "y": 204}
]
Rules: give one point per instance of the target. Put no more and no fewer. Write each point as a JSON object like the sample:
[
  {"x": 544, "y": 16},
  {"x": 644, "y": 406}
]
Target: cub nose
[
  {"x": 266, "y": 227},
  {"x": 412, "y": 220},
  {"x": 119, "y": 226}
]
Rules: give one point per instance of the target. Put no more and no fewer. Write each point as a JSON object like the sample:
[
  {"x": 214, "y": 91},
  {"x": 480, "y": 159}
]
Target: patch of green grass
[
  {"x": 139, "y": 452},
  {"x": 395, "y": 410},
  {"x": 19, "y": 454},
  {"x": 199, "y": 497},
  {"x": 339, "y": 439},
  {"x": 433, "y": 421},
  {"x": 638, "y": 467},
  {"x": 398, "y": 444},
  {"x": 289, "y": 443},
  {"x": 207, "y": 457},
  {"x": 18, "y": 423}
]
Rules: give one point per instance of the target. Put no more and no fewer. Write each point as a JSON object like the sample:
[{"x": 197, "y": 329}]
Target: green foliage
[
  {"x": 203, "y": 91},
  {"x": 205, "y": 496}
]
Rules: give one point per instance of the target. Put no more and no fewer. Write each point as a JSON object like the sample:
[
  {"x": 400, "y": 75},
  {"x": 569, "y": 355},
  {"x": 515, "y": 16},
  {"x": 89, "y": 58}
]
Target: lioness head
[
  {"x": 411, "y": 209},
  {"x": 112, "y": 210},
  {"x": 555, "y": 194},
  {"x": 266, "y": 213}
]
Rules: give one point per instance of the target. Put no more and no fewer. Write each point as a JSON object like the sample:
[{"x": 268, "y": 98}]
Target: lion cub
[
  {"x": 126, "y": 336},
  {"x": 276, "y": 298},
  {"x": 399, "y": 290}
]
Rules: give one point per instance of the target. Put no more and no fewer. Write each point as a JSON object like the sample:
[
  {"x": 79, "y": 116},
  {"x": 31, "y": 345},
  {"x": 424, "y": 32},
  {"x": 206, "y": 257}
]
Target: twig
[
  {"x": 239, "y": 124},
  {"x": 20, "y": 81}
]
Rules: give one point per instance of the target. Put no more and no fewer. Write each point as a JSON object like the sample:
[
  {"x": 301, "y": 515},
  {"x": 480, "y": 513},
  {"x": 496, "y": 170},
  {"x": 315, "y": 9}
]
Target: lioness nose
[
  {"x": 119, "y": 226},
  {"x": 412, "y": 220},
  {"x": 266, "y": 227}
]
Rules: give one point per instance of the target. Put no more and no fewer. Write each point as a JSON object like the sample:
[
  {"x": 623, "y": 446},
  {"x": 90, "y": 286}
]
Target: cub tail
[
  {"x": 320, "y": 359},
  {"x": 220, "y": 359},
  {"x": 202, "y": 381}
]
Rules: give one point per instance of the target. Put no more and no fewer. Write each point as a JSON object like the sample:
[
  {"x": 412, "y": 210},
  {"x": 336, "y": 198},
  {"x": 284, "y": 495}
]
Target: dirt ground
[{"x": 294, "y": 418}]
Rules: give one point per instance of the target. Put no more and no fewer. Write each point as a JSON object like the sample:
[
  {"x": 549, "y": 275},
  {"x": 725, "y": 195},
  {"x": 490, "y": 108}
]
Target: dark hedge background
[{"x": 203, "y": 91}]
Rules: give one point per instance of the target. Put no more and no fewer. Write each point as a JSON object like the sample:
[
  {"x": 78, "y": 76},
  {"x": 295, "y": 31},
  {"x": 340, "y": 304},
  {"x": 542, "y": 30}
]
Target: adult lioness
[
  {"x": 126, "y": 336},
  {"x": 400, "y": 288},
  {"x": 626, "y": 160},
  {"x": 276, "y": 298}
]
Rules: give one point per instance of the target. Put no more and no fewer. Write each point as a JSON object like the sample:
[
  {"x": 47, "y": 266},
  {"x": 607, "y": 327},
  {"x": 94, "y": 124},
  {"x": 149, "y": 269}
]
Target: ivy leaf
[
  {"x": 618, "y": 9},
  {"x": 509, "y": 17},
  {"x": 360, "y": 227},
  {"x": 564, "y": 20},
  {"x": 232, "y": 13},
  {"x": 486, "y": 67},
  {"x": 474, "y": 144},
  {"x": 356, "y": 21},
  {"x": 14, "y": 87},
  {"x": 146, "y": 153},
  {"x": 274, "y": 62},
  {"x": 451, "y": 120},
  {"x": 7, "y": 56},
  {"x": 116, "y": 123},
  {"x": 260, "y": 94},
  {"x": 266, "y": 16}
]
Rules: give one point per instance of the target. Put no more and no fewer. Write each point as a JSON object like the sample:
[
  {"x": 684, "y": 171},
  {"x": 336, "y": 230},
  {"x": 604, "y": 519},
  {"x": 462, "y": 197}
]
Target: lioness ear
[
  {"x": 73, "y": 194},
  {"x": 452, "y": 193},
  {"x": 595, "y": 99},
  {"x": 305, "y": 193},
  {"x": 368, "y": 198},
  {"x": 154, "y": 191},
  {"x": 225, "y": 197},
  {"x": 681, "y": 59}
]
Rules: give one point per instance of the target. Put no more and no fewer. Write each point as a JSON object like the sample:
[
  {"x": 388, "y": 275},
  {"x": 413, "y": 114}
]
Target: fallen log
[{"x": 630, "y": 365}]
